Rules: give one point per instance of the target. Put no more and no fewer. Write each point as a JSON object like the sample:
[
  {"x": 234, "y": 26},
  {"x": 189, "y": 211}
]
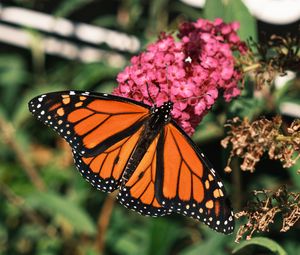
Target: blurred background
[{"x": 46, "y": 207}]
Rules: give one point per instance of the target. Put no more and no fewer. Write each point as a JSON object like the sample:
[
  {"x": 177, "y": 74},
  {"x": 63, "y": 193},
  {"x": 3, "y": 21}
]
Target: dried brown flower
[
  {"x": 266, "y": 60},
  {"x": 251, "y": 140},
  {"x": 262, "y": 210}
]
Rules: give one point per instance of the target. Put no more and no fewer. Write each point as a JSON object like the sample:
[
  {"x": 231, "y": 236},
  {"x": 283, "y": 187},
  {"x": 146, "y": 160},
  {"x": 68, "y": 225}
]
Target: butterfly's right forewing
[
  {"x": 90, "y": 123},
  {"x": 105, "y": 170},
  {"x": 188, "y": 184}
]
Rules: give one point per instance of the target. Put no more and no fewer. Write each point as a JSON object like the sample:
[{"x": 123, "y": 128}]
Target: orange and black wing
[
  {"x": 174, "y": 176},
  {"x": 104, "y": 171},
  {"x": 139, "y": 192},
  {"x": 101, "y": 129},
  {"x": 187, "y": 184}
]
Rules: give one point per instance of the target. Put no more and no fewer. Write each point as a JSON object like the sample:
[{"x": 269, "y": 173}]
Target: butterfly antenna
[
  {"x": 151, "y": 99},
  {"x": 167, "y": 79},
  {"x": 189, "y": 98}
]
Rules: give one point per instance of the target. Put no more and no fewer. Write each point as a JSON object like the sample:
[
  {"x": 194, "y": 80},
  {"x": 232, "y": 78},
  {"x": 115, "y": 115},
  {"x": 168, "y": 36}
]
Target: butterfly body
[
  {"x": 118, "y": 143},
  {"x": 158, "y": 118}
]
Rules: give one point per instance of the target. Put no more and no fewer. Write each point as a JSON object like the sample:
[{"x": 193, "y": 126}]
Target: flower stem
[
  {"x": 9, "y": 137},
  {"x": 236, "y": 178},
  {"x": 283, "y": 138},
  {"x": 251, "y": 67},
  {"x": 103, "y": 221}
]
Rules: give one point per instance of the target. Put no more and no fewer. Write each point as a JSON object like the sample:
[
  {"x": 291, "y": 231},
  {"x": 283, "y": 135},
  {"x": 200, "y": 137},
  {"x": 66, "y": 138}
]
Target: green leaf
[
  {"x": 237, "y": 11},
  {"x": 246, "y": 107},
  {"x": 91, "y": 74},
  {"x": 208, "y": 129},
  {"x": 66, "y": 7},
  {"x": 57, "y": 205},
  {"x": 3, "y": 237},
  {"x": 264, "y": 242},
  {"x": 163, "y": 234},
  {"x": 158, "y": 15},
  {"x": 214, "y": 9},
  {"x": 189, "y": 12},
  {"x": 133, "y": 242},
  {"x": 213, "y": 245},
  {"x": 107, "y": 21},
  {"x": 292, "y": 247},
  {"x": 13, "y": 75},
  {"x": 12, "y": 71},
  {"x": 294, "y": 175},
  {"x": 282, "y": 93}
]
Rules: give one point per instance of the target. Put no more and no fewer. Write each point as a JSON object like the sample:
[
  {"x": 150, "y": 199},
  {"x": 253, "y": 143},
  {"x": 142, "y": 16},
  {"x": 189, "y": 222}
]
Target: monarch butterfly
[{"x": 118, "y": 143}]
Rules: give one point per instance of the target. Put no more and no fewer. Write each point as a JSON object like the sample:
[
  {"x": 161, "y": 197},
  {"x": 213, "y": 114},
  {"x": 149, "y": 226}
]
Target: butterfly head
[{"x": 163, "y": 113}]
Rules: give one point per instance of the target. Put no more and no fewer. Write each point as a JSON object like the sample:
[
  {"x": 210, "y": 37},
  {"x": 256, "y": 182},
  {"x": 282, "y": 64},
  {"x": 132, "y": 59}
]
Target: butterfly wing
[
  {"x": 174, "y": 176},
  {"x": 104, "y": 130},
  {"x": 139, "y": 193},
  {"x": 188, "y": 184},
  {"x": 101, "y": 129},
  {"x": 104, "y": 171}
]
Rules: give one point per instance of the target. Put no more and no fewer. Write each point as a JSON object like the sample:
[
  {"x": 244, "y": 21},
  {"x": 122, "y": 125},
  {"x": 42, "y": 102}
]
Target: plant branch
[
  {"x": 103, "y": 221},
  {"x": 19, "y": 203},
  {"x": 8, "y": 134}
]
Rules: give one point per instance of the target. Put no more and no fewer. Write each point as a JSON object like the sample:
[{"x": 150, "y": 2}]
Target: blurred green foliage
[
  {"x": 262, "y": 241},
  {"x": 47, "y": 208}
]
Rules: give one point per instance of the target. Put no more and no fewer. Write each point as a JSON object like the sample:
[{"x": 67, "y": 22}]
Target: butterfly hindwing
[
  {"x": 139, "y": 191},
  {"x": 189, "y": 185},
  {"x": 105, "y": 170}
]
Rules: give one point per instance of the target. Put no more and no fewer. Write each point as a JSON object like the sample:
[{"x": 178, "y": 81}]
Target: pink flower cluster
[{"x": 190, "y": 72}]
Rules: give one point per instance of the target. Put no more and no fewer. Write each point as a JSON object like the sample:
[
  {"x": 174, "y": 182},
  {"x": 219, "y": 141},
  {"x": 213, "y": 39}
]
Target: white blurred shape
[
  {"x": 59, "y": 47},
  {"x": 290, "y": 109},
  {"x": 113, "y": 39},
  {"x": 287, "y": 108},
  {"x": 13, "y": 36},
  {"x": 275, "y": 11},
  {"x": 36, "y": 20},
  {"x": 64, "y": 27},
  {"x": 195, "y": 3},
  {"x": 271, "y": 11},
  {"x": 281, "y": 80}
]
